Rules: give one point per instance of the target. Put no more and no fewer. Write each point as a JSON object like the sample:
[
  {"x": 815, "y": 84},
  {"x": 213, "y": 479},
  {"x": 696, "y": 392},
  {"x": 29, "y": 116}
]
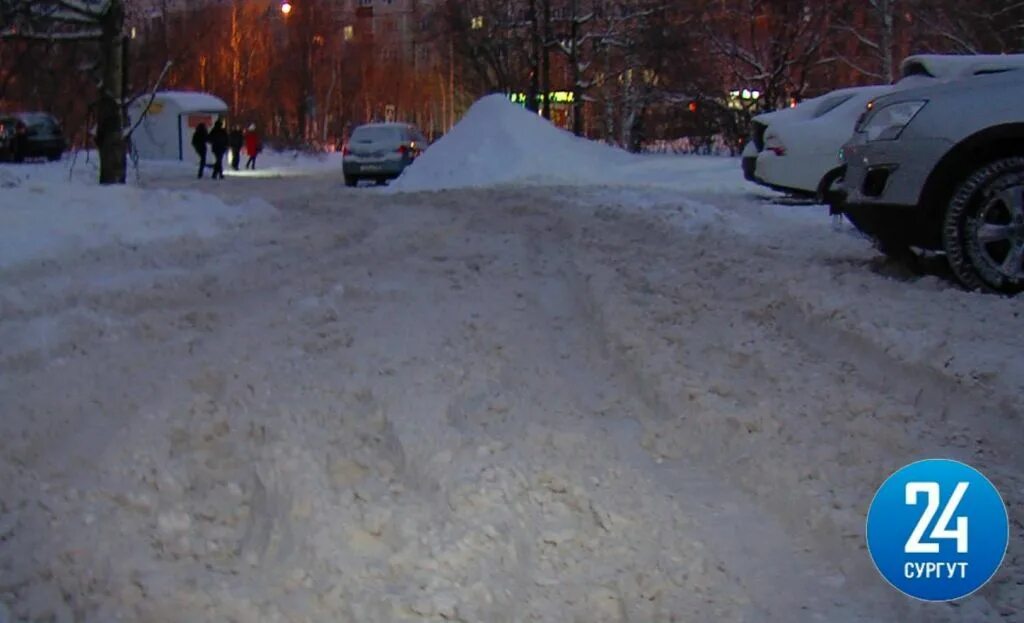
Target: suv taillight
[{"x": 346, "y": 151}]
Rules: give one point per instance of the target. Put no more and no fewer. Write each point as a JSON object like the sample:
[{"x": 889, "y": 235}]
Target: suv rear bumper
[{"x": 44, "y": 147}]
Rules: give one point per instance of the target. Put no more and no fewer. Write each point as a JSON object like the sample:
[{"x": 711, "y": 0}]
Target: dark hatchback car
[{"x": 30, "y": 135}]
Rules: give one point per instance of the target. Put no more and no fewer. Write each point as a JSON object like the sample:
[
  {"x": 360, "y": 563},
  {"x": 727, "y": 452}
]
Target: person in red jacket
[{"x": 253, "y": 146}]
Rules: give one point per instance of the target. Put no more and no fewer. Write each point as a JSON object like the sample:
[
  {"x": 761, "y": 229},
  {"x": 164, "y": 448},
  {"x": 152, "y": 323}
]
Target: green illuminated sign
[{"x": 556, "y": 97}]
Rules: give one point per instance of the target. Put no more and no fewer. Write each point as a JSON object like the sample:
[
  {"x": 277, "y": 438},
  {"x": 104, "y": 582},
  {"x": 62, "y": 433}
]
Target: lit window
[
  {"x": 477, "y": 22},
  {"x": 349, "y": 33}
]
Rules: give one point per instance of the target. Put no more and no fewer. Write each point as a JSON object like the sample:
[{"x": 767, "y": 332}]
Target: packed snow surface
[
  {"x": 517, "y": 403},
  {"x": 499, "y": 142},
  {"x": 41, "y": 217}
]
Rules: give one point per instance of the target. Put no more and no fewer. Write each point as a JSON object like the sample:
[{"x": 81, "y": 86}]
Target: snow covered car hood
[{"x": 950, "y": 67}]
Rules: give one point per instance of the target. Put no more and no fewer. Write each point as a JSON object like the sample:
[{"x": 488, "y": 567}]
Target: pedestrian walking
[
  {"x": 199, "y": 139},
  {"x": 236, "y": 140},
  {"x": 253, "y": 146},
  {"x": 218, "y": 140}
]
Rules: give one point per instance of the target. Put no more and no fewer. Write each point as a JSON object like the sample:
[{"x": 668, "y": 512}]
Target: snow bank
[
  {"x": 498, "y": 142},
  {"x": 44, "y": 215}
]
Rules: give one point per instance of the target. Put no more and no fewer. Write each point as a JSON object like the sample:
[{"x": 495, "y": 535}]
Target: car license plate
[{"x": 372, "y": 167}]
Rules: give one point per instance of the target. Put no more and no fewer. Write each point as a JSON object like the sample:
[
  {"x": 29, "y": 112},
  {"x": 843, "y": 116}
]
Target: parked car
[
  {"x": 381, "y": 151},
  {"x": 759, "y": 125},
  {"x": 798, "y": 154},
  {"x": 942, "y": 168},
  {"x": 31, "y": 135}
]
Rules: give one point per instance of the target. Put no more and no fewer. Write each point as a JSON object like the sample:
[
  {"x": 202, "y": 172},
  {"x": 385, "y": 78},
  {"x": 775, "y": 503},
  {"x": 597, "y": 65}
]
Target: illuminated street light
[{"x": 286, "y": 8}]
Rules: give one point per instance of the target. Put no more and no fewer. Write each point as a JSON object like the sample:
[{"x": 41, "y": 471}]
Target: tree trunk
[
  {"x": 574, "y": 61},
  {"x": 236, "y": 58},
  {"x": 545, "y": 62},
  {"x": 887, "y": 39},
  {"x": 534, "y": 89},
  {"x": 607, "y": 92},
  {"x": 109, "y": 112}
]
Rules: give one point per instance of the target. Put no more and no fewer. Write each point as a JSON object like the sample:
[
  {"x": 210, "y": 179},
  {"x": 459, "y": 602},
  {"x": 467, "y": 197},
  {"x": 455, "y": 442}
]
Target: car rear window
[
  {"x": 831, "y": 104},
  {"x": 39, "y": 121},
  {"x": 376, "y": 135}
]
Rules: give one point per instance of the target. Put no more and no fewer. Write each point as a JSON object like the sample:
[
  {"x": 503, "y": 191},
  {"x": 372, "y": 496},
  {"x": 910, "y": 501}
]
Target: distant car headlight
[{"x": 886, "y": 124}]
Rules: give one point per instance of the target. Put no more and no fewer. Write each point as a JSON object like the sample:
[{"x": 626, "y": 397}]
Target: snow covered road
[{"x": 514, "y": 404}]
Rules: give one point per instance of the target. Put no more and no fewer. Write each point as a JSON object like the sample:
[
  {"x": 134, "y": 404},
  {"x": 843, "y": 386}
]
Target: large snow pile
[
  {"x": 44, "y": 215},
  {"x": 498, "y": 142}
]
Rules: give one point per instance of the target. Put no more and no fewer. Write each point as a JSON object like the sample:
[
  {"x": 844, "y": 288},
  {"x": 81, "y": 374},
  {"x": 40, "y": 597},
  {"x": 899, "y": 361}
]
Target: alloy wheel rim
[{"x": 999, "y": 233}]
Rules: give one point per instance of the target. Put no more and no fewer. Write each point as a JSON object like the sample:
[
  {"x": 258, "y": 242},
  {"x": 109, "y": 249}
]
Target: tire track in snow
[{"x": 740, "y": 366}]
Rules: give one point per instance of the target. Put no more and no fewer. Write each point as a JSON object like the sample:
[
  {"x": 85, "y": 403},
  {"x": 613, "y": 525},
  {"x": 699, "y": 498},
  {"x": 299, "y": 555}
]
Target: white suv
[{"x": 942, "y": 168}]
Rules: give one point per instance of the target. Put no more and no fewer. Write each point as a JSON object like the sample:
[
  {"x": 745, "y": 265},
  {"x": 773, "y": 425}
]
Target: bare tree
[
  {"x": 572, "y": 40},
  {"x": 868, "y": 36},
  {"x": 771, "y": 46},
  {"x": 100, "y": 22},
  {"x": 975, "y": 26},
  {"x": 770, "y": 49},
  {"x": 492, "y": 38}
]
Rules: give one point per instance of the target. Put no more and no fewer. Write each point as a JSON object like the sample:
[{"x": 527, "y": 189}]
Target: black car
[{"x": 30, "y": 135}]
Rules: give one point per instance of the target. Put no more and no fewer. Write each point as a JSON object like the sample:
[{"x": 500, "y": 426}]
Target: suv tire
[{"x": 983, "y": 229}]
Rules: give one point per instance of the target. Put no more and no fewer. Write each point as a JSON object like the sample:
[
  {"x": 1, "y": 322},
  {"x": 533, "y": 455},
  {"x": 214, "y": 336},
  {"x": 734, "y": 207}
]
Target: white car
[
  {"x": 760, "y": 123},
  {"x": 799, "y": 153},
  {"x": 801, "y": 156}
]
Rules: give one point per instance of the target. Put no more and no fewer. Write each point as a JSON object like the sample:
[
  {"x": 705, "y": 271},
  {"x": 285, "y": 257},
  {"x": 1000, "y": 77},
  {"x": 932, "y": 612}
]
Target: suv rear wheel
[{"x": 983, "y": 231}]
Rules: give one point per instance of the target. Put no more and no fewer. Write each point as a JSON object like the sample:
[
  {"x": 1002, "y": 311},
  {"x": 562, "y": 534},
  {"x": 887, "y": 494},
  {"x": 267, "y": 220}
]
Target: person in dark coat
[
  {"x": 199, "y": 138},
  {"x": 218, "y": 140},
  {"x": 253, "y": 146},
  {"x": 235, "y": 141}
]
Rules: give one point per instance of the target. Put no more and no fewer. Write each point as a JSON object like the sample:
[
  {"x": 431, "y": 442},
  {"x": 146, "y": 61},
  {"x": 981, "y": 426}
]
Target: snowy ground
[{"x": 514, "y": 403}]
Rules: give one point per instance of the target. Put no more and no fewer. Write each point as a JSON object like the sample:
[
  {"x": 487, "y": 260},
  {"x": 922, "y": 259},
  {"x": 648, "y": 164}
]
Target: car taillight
[
  {"x": 346, "y": 151},
  {"x": 774, "y": 145},
  {"x": 403, "y": 150}
]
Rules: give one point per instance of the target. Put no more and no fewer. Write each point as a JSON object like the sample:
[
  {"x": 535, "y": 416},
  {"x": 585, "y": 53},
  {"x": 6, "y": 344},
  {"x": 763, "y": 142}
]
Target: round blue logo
[{"x": 937, "y": 530}]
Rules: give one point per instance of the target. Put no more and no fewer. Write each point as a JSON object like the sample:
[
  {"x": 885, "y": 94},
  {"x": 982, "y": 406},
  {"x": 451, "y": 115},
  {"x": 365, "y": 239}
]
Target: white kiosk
[{"x": 166, "y": 131}]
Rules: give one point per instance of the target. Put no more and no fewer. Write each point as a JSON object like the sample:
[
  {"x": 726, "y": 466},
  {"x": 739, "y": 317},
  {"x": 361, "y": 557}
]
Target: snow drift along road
[{"x": 45, "y": 216}]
